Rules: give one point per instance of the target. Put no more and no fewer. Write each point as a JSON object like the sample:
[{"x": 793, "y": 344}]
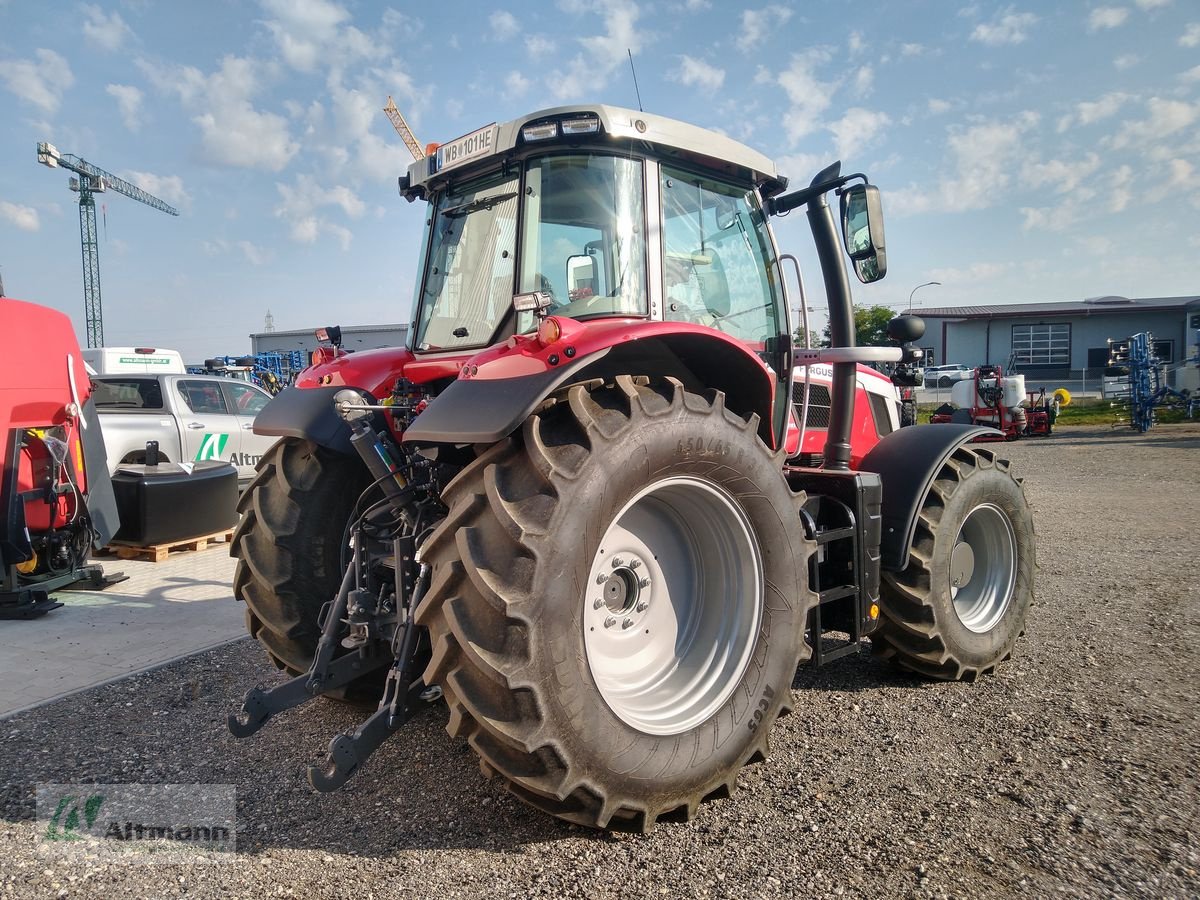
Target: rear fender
[
  {"x": 306, "y": 413},
  {"x": 501, "y": 387},
  {"x": 907, "y": 461}
]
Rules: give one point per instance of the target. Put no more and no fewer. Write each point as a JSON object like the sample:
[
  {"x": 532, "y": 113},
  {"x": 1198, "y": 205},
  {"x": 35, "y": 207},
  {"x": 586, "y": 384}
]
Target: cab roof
[{"x": 661, "y": 136}]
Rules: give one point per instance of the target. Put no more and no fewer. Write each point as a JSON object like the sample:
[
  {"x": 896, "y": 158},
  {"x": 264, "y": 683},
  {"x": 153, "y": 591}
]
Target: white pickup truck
[{"x": 193, "y": 418}]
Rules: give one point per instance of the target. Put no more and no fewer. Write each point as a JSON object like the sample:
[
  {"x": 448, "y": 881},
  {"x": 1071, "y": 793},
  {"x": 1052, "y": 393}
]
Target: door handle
[
  {"x": 195, "y": 425},
  {"x": 247, "y": 428}
]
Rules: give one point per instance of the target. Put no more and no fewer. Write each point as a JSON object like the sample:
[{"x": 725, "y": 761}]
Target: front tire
[
  {"x": 957, "y": 609},
  {"x": 617, "y": 603}
]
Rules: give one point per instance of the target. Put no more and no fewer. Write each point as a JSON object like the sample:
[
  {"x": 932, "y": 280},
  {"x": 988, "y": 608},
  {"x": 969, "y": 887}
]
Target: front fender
[
  {"x": 306, "y": 413},
  {"x": 907, "y": 462}
]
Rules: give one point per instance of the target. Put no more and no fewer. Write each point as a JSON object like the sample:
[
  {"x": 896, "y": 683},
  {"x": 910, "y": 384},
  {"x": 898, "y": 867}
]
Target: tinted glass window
[
  {"x": 127, "y": 393},
  {"x": 202, "y": 397},
  {"x": 245, "y": 400}
]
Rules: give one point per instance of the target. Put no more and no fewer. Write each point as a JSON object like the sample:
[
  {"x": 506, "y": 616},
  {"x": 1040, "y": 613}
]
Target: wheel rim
[
  {"x": 983, "y": 568},
  {"x": 673, "y": 605}
]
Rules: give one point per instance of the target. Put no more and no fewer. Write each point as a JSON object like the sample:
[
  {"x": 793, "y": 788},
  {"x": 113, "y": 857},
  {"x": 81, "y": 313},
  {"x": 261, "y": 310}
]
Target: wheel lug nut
[
  {"x": 628, "y": 623},
  {"x": 601, "y": 578},
  {"x": 643, "y": 606},
  {"x": 634, "y": 563},
  {"x": 617, "y": 562},
  {"x": 597, "y": 603},
  {"x": 610, "y": 621},
  {"x": 644, "y": 583}
]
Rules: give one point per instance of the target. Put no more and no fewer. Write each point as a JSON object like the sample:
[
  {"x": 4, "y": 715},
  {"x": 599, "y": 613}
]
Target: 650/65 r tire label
[{"x": 761, "y": 710}]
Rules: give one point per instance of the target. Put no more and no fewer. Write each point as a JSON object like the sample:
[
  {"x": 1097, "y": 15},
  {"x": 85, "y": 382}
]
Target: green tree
[{"x": 870, "y": 326}]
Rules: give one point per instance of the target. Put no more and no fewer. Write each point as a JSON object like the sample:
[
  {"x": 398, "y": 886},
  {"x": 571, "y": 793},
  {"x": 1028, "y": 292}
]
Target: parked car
[
  {"x": 944, "y": 376},
  {"x": 193, "y": 418}
]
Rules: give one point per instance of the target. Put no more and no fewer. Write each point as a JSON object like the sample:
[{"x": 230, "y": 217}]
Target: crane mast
[
  {"x": 402, "y": 129},
  {"x": 93, "y": 180}
]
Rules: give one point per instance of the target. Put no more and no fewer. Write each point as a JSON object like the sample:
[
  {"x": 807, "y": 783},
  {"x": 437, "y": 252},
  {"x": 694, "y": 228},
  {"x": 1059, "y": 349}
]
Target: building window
[{"x": 1042, "y": 345}]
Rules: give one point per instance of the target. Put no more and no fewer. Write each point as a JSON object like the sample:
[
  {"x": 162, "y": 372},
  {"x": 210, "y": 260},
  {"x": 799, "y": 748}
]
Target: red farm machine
[
  {"x": 583, "y": 507},
  {"x": 56, "y": 500},
  {"x": 999, "y": 400}
]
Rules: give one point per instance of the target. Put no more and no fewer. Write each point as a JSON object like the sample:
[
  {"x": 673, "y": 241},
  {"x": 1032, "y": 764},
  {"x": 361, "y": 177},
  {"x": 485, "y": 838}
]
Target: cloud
[
  {"x": 980, "y": 271},
  {"x": 589, "y": 71},
  {"x": 1089, "y": 112},
  {"x": 24, "y": 217},
  {"x": 937, "y": 107},
  {"x": 1008, "y": 27},
  {"x": 1119, "y": 193},
  {"x": 105, "y": 31},
  {"x": 984, "y": 160},
  {"x": 856, "y": 130},
  {"x": 907, "y": 50},
  {"x": 504, "y": 25},
  {"x": 864, "y": 80},
  {"x": 1152, "y": 4},
  {"x": 1190, "y": 36},
  {"x": 1164, "y": 118},
  {"x": 697, "y": 73},
  {"x": 312, "y": 34},
  {"x": 252, "y": 253},
  {"x": 1107, "y": 17},
  {"x": 166, "y": 187},
  {"x": 41, "y": 81},
  {"x": 856, "y": 42},
  {"x": 758, "y": 23},
  {"x": 1192, "y": 74},
  {"x": 301, "y": 204},
  {"x": 809, "y": 96},
  {"x": 1063, "y": 177},
  {"x": 233, "y": 132},
  {"x": 516, "y": 84},
  {"x": 129, "y": 102},
  {"x": 1126, "y": 61}
]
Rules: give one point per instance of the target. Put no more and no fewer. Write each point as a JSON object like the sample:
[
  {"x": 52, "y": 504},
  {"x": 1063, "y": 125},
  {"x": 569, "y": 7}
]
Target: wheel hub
[{"x": 673, "y": 606}]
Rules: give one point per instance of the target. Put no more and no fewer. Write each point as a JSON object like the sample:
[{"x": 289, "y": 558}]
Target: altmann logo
[
  {"x": 212, "y": 447},
  {"x": 150, "y": 822}
]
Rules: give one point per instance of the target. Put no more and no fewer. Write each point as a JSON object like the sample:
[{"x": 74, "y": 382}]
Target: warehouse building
[
  {"x": 1058, "y": 340},
  {"x": 354, "y": 337}
]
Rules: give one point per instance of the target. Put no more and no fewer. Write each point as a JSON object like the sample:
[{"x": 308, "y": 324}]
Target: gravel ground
[{"x": 1073, "y": 772}]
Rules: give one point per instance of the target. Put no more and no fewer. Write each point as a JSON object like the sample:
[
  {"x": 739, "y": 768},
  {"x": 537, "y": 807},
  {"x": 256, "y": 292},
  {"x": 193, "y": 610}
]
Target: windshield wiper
[{"x": 464, "y": 209}]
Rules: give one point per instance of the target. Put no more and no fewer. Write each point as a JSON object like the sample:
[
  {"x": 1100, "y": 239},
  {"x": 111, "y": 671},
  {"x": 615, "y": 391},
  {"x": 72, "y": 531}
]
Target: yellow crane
[{"x": 403, "y": 130}]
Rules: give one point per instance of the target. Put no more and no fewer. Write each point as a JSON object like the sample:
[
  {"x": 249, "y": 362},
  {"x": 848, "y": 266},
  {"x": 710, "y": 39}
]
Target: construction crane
[
  {"x": 93, "y": 180},
  {"x": 403, "y": 130}
]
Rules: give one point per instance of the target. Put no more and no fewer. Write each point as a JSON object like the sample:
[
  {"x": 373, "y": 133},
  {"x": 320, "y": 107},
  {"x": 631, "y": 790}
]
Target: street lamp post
[{"x": 917, "y": 288}]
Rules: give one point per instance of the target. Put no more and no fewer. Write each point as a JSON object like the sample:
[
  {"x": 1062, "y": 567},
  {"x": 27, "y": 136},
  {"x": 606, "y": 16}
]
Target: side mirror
[
  {"x": 906, "y": 329},
  {"x": 581, "y": 277},
  {"x": 862, "y": 231}
]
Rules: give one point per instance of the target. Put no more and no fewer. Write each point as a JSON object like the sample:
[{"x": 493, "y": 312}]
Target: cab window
[{"x": 202, "y": 397}]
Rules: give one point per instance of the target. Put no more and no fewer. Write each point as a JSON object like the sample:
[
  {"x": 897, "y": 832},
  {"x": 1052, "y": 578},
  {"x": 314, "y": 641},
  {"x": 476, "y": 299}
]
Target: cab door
[
  {"x": 208, "y": 428},
  {"x": 246, "y": 401}
]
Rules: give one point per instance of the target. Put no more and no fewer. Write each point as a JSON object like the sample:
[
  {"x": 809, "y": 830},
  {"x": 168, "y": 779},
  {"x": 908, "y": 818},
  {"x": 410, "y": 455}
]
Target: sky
[{"x": 1026, "y": 152}]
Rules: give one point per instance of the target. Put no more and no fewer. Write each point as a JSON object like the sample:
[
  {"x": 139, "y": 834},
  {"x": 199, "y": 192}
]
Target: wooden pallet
[{"x": 159, "y": 552}]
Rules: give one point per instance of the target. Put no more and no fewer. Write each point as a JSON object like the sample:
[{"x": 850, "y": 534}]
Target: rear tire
[
  {"x": 957, "y": 609},
  {"x": 288, "y": 545},
  {"x": 617, "y": 725}
]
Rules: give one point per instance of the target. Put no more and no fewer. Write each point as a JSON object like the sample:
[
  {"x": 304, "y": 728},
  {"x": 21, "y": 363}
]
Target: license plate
[{"x": 468, "y": 147}]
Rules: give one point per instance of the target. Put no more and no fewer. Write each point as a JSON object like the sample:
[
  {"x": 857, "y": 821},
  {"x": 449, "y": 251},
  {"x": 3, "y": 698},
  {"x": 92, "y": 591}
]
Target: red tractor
[
  {"x": 56, "y": 499},
  {"x": 568, "y": 507}
]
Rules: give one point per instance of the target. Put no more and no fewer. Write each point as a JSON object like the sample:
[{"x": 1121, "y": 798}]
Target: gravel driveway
[{"x": 1073, "y": 772}]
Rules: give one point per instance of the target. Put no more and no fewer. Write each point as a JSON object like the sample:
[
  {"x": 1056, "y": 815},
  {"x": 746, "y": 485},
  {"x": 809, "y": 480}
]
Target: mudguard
[
  {"x": 907, "y": 462},
  {"x": 478, "y": 411},
  {"x": 101, "y": 499},
  {"x": 306, "y": 413}
]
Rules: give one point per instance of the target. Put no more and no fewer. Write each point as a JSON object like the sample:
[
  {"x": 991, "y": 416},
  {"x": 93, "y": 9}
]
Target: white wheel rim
[
  {"x": 673, "y": 605},
  {"x": 983, "y": 568}
]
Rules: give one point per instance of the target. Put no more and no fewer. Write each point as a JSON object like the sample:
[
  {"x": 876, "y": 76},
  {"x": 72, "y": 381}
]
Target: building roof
[
  {"x": 346, "y": 329},
  {"x": 1090, "y": 307}
]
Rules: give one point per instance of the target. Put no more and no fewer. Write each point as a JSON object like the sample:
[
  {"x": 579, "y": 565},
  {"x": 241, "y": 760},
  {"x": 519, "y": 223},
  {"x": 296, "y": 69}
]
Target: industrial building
[
  {"x": 1058, "y": 340},
  {"x": 354, "y": 337}
]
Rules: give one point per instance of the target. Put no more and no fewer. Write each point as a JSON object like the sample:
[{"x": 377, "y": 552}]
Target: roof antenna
[{"x": 635, "y": 84}]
